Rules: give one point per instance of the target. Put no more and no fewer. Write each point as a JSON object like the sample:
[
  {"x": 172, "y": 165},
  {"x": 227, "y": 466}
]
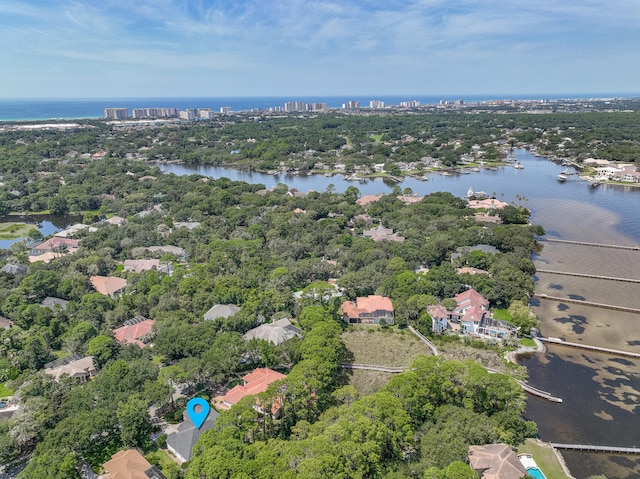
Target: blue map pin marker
[{"x": 198, "y": 417}]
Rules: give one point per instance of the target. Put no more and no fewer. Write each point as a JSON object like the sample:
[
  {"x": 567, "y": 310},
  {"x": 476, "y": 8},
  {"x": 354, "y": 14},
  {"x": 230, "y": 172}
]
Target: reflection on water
[{"x": 46, "y": 224}]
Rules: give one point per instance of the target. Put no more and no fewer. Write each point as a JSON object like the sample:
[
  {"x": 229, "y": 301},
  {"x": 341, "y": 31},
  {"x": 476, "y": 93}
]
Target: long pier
[
  {"x": 585, "y": 243},
  {"x": 592, "y": 276},
  {"x": 615, "y": 307},
  {"x": 616, "y": 352},
  {"x": 590, "y": 448}
]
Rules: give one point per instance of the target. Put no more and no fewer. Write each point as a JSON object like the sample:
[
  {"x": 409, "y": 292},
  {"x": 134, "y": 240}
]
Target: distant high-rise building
[
  {"x": 116, "y": 113},
  {"x": 225, "y": 110},
  {"x": 206, "y": 113},
  {"x": 376, "y": 104},
  {"x": 188, "y": 114},
  {"x": 351, "y": 105},
  {"x": 410, "y": 104},
  {"x": 318, "y": 106},
  {"x": 291, "y": 106}
]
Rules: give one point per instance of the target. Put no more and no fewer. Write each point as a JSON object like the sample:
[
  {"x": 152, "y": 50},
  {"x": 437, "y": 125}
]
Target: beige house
[
  {"x": 130, "y": 465},
  {"x": 74, "y": 366}
]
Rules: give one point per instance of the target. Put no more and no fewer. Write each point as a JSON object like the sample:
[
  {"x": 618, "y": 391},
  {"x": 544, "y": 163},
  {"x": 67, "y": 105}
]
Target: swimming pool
[{"x": 535, "y": 473}]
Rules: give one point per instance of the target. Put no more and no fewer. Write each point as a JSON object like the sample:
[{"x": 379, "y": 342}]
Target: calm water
[
  {"x": 46, "y": 224},
  {"x": 600, "y": 392},
  {"x": 45, "y": 109}
]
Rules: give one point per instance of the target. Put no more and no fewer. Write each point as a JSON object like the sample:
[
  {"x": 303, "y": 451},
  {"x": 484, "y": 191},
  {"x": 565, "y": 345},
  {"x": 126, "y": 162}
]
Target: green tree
[{"x": 135, "y": 423}]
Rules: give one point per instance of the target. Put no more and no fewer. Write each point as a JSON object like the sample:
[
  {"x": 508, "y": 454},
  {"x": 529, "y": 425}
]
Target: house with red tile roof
[
  {"x": 134, "y": 331},
  {"x": 108, "y": 285},
  {"x": 471, "y": 309},
  {"x": 56, "y": 245},
  {"x": 472, "y": 316},
  {"x": 488, "y": 203},
  {"x": 253, "y": 383},
  {"x": 372, "y": 309},
  {"x": 366, "y": 199}
]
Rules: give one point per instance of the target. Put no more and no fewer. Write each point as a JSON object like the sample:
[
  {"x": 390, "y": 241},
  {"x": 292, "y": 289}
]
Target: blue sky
[{"x": 174, "y": 48}]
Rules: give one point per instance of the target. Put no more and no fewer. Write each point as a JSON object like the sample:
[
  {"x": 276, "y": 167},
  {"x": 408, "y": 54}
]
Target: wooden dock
[
  {"x": 614, "y": 307},
  {"x": 591, "y": 276},
  {"x": 616, "y": 352},
  {"x": 585, "y": 243},
  {"x": 590, "y": 448},
  {"x": 538, "y": 392}
]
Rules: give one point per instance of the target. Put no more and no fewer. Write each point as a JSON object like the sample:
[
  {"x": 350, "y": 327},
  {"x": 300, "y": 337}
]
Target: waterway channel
[{"x": 600, "y": 392}]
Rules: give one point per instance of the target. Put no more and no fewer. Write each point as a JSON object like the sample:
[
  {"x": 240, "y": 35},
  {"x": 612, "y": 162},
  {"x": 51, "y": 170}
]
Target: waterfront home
[
  {"x": 221, "y": 311},
  {"x": 72, "y": 231},
  {"x": 607, "y": 172},
  {"x": 366, "y": 199},
  {"x": 80, "y": 368},
  {"x": 626, "y": 176},
  {"x": 276, "y": 332},
  {"x": 256, "y": 382},
  {"x": 181, "y": 442},
  {"x": 488, "y": 203},
  {"x": 108, "y": 285},
  {"x": 130, "y": 464},
  {"x": 440, "y": 318},
  {"x": 134, "y": 331},
  {"x": 495, "y": 461},
  {"x": 56, "y": 245},
  {"x": 372, "y": 309},
  {"x": 470, "y": 316}
]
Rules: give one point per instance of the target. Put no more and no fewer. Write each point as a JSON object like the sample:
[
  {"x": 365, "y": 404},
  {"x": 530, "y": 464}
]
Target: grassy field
[
  {"x": 5, "y": 391},
  {"x": 502, "y": 314},
  {"x": 365, "y": 382},
  {"x": 14, "y": 230},
  {"x": 545, "y": 457},
  {"x": 392, "y": 347},
  {"x": 378, "y": 347}
]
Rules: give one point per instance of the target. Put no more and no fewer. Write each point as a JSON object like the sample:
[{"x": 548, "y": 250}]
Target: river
[{"x": 600, "y": 392}]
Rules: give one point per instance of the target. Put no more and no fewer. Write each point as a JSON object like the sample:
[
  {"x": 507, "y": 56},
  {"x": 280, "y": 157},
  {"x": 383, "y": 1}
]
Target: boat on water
[
  {"x": 518, "y": 166},
  {"x": 476, "y": 169},
  {"x": 561, "y": 178},
  {"x": 595, "y": 184}
]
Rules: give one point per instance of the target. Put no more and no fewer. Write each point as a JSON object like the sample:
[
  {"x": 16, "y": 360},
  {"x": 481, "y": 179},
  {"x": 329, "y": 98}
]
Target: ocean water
[{"x": 47, "y": 109}]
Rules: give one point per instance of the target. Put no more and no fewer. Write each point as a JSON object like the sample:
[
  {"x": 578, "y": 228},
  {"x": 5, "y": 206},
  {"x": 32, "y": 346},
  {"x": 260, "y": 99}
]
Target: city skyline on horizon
[{"x": 296, "y": 48}]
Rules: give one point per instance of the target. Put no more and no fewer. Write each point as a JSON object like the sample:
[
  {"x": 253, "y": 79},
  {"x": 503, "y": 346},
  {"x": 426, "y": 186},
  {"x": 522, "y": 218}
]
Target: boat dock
[
  {"x": 592, "y": 276},
  {"x": 614, "y": 307},
  {"x": 588, "y": 347},
  {"x": 538, "y": 392},
  {"x": 584, "y": 243},
  {"x": 590, "y": 448}
]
